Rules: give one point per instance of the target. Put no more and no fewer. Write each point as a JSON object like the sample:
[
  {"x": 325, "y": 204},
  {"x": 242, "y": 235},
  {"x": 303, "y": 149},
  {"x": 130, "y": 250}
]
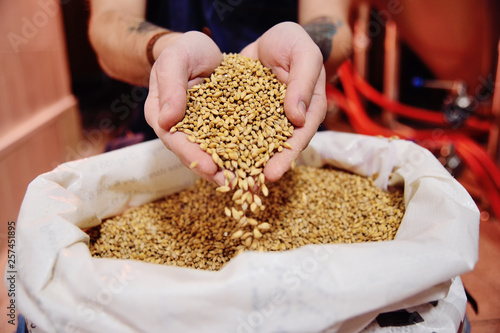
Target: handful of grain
[
  {"x": 306, "y": 206},
  {"x": 237, "y": 117}
]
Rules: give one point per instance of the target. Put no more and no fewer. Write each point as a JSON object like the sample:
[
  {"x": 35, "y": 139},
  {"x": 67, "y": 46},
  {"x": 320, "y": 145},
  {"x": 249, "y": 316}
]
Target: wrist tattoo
[
  {"x": 322, "y": 31},
  {"x": 143, "y": 27}
]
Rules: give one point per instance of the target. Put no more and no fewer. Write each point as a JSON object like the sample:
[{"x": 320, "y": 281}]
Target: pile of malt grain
[{"x": 307, "y": 206}]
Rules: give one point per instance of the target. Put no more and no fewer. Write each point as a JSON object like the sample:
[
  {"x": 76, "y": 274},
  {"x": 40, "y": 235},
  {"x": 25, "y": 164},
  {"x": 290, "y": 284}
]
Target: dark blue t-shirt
[{"x": 233, "y": 24}]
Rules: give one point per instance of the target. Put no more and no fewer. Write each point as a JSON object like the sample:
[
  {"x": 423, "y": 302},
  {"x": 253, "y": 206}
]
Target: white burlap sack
[{"x": 61, "y": 288}]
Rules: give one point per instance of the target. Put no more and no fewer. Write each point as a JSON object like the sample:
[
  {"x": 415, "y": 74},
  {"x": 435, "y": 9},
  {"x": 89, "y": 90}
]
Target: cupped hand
[
  {"x": 292, "y": 55},
  {"x": 180, "y": 66}
]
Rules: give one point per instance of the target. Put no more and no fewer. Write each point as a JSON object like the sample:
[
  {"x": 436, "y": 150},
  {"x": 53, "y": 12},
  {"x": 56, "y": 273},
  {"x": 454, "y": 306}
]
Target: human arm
[
  {"x": 326, "y": 21},
  {"x": 182, "y": 59},
  {"x": 119, "y": 35}
]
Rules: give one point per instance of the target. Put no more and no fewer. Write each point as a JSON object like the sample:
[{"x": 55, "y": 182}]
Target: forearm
[
  {"x": 326, "y": 21},
  {"x": 120, "y": 40}
]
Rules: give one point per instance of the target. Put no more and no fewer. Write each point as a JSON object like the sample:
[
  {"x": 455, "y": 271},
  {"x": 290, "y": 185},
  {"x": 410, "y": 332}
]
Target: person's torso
[{"x": 232, "y": 24}]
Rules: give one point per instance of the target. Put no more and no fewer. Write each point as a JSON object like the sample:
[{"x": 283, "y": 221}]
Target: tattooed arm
[
  {"x": 326, "y": 22},
  {"x": 119, "y": 35}
]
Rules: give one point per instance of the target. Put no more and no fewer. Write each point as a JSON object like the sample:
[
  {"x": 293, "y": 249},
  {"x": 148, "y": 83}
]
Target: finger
[
  {"x": 306, "y": 65},
  {"x": 171, "y": 75},
  {"x": 152, "y": 105},
  {"x": 189, "y": 152},
  {"x": 194, "y": 82},
  {"x": 281, "y": 162},
  {"x": 194, "y": 56},
  {"x": 250, "y": 50}
]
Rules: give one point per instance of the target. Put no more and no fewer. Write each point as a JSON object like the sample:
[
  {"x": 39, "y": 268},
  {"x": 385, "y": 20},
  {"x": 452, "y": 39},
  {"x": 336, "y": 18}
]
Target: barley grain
[{"x": 341, "y": 208}]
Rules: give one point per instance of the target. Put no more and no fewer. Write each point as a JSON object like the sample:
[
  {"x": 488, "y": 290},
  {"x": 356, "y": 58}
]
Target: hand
[
  {"x": 181, "y": 65},
  {"x": 292, "y": 55}
]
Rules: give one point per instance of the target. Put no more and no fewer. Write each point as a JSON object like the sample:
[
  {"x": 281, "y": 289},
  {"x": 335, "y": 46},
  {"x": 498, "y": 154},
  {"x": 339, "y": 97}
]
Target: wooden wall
[{"x": 39, "y": 118}]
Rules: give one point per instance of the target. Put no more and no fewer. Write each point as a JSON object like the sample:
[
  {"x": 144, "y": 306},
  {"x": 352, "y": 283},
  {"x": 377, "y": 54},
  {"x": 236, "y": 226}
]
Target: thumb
[
  {"x": 194, "y": 56},
  {"x": 305, "y": 69},
  {"x": 171, "y": 76}
]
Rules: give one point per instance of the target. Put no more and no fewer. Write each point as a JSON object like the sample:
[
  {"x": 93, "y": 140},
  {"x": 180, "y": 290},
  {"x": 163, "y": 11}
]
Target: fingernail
[
  {"x": 164, "y": 108},
  {"x": 219, "y": 179},
  {"x": 302, "y": 109}
]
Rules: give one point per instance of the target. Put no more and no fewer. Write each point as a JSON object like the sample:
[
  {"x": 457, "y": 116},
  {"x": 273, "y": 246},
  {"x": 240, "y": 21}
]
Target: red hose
[
  {"x": 485, "y": 170},
  {"x": 481, "y": 176},
  {"x": 482, "y": 156},
  {"x": 409, "y": 111},
  {"x": 354, "y": 108},
  {"x": 363, "y": 124}
]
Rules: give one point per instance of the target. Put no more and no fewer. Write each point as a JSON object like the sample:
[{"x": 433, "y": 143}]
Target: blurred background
[{"x": 57, "y": 105}]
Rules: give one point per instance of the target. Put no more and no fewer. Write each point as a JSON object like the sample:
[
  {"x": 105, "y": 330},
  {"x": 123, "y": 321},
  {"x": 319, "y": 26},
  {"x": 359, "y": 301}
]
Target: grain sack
[{"x": 339, "y": 287}]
